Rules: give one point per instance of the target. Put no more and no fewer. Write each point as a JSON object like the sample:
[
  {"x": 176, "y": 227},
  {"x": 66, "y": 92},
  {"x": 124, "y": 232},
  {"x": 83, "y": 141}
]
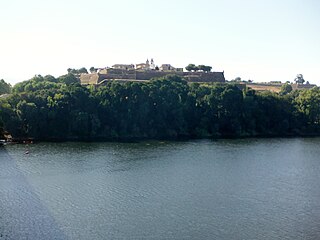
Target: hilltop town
[
  {"x": 200, "y": 74},
  {"x": 148, "y": 70}
]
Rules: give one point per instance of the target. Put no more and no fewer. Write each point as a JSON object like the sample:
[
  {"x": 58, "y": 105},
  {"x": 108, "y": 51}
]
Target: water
[{"x": 225, "y": 189}]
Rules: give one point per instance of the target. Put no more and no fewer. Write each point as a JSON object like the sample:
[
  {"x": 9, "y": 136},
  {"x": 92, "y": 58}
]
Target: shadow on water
[{"x": 23, "y": 215}]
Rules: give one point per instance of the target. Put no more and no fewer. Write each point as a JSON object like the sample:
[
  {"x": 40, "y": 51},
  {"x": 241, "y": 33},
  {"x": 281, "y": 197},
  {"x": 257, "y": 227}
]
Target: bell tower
[{"x": 152, "y": 65}]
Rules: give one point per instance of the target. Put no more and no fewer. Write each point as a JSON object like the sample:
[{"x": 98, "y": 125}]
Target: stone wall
[
  {"x": 204, "y": 77},
  {"x": 302, "y": 86},
  {"x": 118, "y": 74},
  {"x": 147, "y": 75},
  {"x": 92, "y": 78}
]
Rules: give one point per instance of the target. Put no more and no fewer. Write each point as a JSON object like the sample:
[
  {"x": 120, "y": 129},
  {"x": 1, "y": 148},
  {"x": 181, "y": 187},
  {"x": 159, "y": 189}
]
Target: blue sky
[{"x": 254, "y": 39}]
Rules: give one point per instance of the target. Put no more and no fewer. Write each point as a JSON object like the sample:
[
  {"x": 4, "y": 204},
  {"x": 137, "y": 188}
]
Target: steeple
[
  {"x": 147, "y": 62},
  {"x": 152, "y": 65}
]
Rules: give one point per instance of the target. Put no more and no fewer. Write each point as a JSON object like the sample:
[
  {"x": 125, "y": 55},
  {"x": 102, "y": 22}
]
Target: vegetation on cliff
[
  {"x": 49, "y": 108},
  {"x": 4, "y": 87}
]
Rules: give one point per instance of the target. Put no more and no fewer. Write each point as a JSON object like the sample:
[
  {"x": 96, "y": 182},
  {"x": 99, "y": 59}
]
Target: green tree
[
  {"x": 92, "y": 69},
  {"x": 308, "y": 103},
  {"x": 169, "y": 107},
  {"x": 77, "y": 71},
  {"x": 1, "y": 128},
  {"x": 83, "y": 70},
  {"x": 285, "y": 89},
  {"x": 68, "y": 79},
  {"x": 299, "y": 79},
  {"x": 50, "y": 78},
  {"x": 191, "y": 67},
  {"x": 4, "y": 87},
  {"x": 205, "y": 68}
]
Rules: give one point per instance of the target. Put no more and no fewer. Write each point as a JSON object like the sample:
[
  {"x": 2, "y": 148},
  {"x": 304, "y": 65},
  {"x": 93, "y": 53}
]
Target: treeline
[
  {"x": 4, "y": 87},
  {"x": 47, "y": 108}
]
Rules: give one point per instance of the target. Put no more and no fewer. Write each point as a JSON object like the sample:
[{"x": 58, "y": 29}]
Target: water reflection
[{"x": 225, "y": 189}]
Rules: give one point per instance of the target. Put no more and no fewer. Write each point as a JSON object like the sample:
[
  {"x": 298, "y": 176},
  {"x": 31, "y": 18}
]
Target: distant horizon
[{"x": 253, "y": 39}]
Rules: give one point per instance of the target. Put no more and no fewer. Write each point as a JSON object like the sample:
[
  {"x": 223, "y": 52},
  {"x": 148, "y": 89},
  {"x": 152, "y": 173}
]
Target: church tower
[
  {"x": 152, "y": 65},
  {"x": 147, "y": 64}
]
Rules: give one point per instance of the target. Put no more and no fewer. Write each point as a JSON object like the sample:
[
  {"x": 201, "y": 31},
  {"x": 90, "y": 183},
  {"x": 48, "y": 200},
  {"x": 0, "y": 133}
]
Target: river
[{"x": 199, "y": 189}]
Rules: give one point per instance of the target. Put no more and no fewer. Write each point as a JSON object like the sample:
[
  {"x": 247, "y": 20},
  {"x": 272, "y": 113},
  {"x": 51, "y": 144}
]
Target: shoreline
[{"x": 141, "y": 139}]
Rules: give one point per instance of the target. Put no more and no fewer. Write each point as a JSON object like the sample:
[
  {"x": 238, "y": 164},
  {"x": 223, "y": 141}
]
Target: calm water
[{"x": 226, "y": 189}]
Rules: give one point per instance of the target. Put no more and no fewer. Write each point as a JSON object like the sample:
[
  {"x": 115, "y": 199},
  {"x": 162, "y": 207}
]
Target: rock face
[{"x": 132, "y": 75}]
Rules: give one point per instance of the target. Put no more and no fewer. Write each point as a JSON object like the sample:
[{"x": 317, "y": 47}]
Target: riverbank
[
  {"x": 167, "y": 108},
  {"x": 140, "y": 139}
]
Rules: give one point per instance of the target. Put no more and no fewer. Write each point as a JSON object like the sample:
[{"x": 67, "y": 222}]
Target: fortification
[
  {"x": 136, "y": 75},
  {"x": 147, "y": 71}
]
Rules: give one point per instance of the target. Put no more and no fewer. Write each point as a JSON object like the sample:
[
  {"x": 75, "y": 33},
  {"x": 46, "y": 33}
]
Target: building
[
  {"x": 152, "y": 65},
  {"x": 102, "y": 70},
  {"x": 169, "y": 68},
  {"x": 123, "y": 66},
  {"x": 145, "y": 72},
  {"x": 144, "y": 66}
]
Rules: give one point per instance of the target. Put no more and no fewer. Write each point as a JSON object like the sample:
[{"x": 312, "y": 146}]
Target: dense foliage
[
  {"x": 204, "y": 68},
  {"x": 50, "y": 108},
  {"x": 4, "y": 87},
  {"x": 77, "y": 71}
]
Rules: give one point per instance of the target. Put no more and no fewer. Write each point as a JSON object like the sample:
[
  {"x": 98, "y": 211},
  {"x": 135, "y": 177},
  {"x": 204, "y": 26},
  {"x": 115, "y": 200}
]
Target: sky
[{"x": 253, "y": 39}]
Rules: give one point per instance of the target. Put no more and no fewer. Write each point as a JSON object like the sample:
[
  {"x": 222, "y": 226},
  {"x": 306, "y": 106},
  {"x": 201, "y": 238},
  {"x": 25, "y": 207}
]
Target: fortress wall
[
  {"x": 96, "y": 78},
  {"x": 153, "y": 74},
  {"x": 120, "y": 71},
  {"x": 204, "y": 77},
  {"x": 302, "y": 86},
  {"x": 89, "y": 78},
  {"x": 118, "y": 76}
]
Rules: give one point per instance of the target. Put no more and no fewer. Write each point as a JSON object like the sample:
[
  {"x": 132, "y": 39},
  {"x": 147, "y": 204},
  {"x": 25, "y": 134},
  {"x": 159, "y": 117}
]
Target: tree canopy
[
  {"x": 77, "y": 71},
  {"x": 299, "y": 79},
  {"x": 4, "y": 87},
  {"x": 60, "y": 108},
  {"x": 193, "y": 67},
  {"x": 286, "y": 89}
]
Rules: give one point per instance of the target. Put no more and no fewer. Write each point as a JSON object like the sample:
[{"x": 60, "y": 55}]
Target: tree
[
  {"x": 68, "y": 79},
  {"x": 308, "y": 103},
  {"x": 5, "y": 87},
  {"x": 191, "y": 67},
  {"x": 50, "y": 78},
  {"x": 205, "y": 68},
  {"x": 92, "y": 70},
  {"x": 202, "y": 67},
  {"x": 299, "y": 79},
  {"x": 165, "y": 107},
  {"x": 285, "y": 89},
  {"x": 1, "y": 132},
  {"x": 1, "y": 128},
  {"x": 83, "y": 70},
  {"x": 77, "y": 71}
]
